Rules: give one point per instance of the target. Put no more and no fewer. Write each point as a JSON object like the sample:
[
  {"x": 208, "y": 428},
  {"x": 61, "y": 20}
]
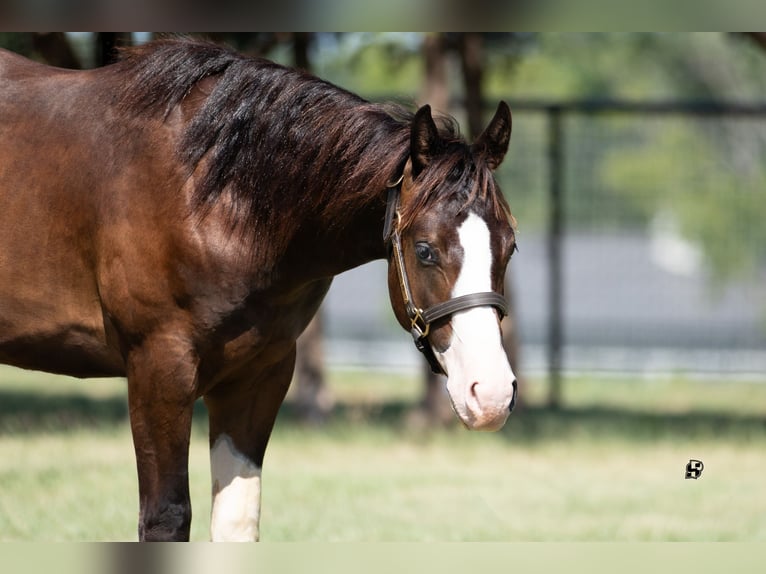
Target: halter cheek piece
[{"x": 420, "y": 319}]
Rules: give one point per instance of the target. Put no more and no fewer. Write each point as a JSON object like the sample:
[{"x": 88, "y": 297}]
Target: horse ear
[
  {"x": 493, "y": 142},
  {"x": 424, "y": 140}
]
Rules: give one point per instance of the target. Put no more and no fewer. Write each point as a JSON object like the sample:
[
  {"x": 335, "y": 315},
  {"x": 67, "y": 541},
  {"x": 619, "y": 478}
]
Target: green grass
[{"x": 609, "y": 466}]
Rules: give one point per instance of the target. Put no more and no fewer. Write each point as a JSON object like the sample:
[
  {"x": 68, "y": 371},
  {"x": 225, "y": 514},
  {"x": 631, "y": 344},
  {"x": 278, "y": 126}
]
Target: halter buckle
[
  {"x": 396, "y": 183},
  {"x": 418, "y": 325}
]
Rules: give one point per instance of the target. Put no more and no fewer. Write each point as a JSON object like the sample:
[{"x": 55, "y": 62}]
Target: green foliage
[
  {"x": 681, "y": 169},
  {"x": 18, "y": 42},
  {"x": 373, "y": 64},
  {"x": 709, "y": 175},
  {"x": 635, "y": 66}
]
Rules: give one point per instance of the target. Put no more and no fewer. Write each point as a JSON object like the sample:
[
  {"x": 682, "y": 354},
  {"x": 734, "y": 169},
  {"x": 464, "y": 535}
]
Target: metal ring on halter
[{"x": 396, "y": 183}]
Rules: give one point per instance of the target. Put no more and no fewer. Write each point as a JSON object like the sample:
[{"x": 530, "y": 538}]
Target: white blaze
[
  {"x": 480, "y": 378},
  {"x": 236, "y": 494}
]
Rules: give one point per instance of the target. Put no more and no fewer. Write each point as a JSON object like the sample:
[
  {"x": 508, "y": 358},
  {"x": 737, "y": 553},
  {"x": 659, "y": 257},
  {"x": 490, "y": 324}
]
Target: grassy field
[{"x": 607, "y": 467}]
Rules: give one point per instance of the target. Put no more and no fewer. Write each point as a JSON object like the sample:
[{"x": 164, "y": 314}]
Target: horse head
[{"x": 451, "y": 237}]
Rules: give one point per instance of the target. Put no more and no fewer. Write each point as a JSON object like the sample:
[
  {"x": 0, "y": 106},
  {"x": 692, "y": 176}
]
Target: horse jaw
[{"x": 481, "y": 384}]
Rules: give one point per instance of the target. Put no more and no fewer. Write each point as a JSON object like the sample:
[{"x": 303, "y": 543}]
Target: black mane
[
  {"x": 278, "y": 139},
  {"x": 264, "y": 125}
]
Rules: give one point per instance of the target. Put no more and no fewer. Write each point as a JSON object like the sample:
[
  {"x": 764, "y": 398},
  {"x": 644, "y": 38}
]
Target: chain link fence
[{"x": 642, "y": 237}]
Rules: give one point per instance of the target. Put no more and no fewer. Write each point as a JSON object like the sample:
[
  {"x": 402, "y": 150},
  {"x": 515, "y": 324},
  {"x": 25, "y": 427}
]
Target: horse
[{"x": 177, "y": 217}]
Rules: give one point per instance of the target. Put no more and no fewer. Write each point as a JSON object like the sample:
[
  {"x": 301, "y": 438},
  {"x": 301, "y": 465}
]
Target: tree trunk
[
  {"x": 55, "y": 49},
  {"x": 106, "y": 45},
  {"x": 301, "y": 45},
  {"x": 470, "y": 47},
  {"x": 312, "y": 398},
  {"x": 436, "y": 86},
  {"x": 759, "y": 38}
]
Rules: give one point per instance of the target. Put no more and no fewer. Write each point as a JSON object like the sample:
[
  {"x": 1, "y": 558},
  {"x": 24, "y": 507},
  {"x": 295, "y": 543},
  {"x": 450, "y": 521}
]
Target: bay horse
[{"x": 177, "y": 218}]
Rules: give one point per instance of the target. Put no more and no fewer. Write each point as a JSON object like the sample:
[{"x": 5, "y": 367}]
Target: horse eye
[{"x": 424, "y": 253}]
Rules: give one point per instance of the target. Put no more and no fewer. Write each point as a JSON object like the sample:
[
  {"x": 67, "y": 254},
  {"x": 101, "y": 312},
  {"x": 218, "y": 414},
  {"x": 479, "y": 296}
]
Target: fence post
[{"x": 555, "y": 241}]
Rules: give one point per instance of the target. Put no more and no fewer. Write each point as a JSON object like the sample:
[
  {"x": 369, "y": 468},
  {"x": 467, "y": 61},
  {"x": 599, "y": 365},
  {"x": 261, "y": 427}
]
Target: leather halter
[{"x": 421, "y": 319}]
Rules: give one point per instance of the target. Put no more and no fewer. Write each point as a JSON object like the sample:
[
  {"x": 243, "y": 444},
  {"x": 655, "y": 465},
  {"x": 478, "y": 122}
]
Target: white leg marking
[
  {"x": 480, "y": 377},
  {"x": 236, "y": 494}
]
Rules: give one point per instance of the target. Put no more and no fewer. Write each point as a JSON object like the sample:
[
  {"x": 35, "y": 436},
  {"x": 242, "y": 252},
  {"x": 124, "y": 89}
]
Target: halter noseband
[{"x": 420, "y": 319}]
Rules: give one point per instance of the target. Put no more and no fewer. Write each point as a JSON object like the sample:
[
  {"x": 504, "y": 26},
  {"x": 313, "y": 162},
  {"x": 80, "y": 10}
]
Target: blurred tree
[
  {"x": 758, "y": 37},
  {"x": 311, "y": 394},
  {"x": 301, "y": 45},
  {"x": 19, "y": 42},
  {"x": 708, "y": 177},
  {"x": 55, "y": 49},
  {"x": 106, "y": 44},
  {"x": 254, "y": 43},
  {"x": 435, "y": 89}
]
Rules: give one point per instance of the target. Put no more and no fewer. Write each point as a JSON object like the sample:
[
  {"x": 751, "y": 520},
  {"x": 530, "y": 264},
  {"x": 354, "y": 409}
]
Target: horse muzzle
[{"x": 484, "y": 409}]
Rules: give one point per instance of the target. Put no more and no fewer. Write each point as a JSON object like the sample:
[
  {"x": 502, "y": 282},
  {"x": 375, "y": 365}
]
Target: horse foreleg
[
  {"x": 242, "y": 414},
  {"x": 161, "y": 380}
]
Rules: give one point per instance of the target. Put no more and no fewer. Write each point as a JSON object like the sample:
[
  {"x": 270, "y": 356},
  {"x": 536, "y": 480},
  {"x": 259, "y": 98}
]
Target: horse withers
[{"x": 177, "y": 218}]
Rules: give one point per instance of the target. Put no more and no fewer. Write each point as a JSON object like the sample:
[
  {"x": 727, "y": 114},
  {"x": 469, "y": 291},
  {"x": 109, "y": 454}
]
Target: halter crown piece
[{"x": 420, "y": 319}]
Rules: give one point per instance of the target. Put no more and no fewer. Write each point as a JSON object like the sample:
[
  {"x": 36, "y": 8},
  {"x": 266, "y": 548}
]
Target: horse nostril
[
  {"x": 473, "y": 388},
  {"x": 513, "y": 397}
]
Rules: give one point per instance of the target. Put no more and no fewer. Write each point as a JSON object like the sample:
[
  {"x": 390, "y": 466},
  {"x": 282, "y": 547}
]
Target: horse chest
[{"x": 269, "y": 326}]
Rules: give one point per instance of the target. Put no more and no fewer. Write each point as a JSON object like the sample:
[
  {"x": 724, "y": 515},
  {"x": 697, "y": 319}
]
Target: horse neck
[
  {"x": 341, "y": 226},
  {"x": 331, "y": 241},
  {"x": 360, "y": 240}
]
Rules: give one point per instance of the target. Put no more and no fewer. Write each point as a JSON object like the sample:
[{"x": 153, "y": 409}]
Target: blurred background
[{"x": 637, "y": 175}]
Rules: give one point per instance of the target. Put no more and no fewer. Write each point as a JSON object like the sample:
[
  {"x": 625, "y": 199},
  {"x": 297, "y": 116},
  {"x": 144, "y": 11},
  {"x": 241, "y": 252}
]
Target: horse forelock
[{"x": 458, "y": 175}]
